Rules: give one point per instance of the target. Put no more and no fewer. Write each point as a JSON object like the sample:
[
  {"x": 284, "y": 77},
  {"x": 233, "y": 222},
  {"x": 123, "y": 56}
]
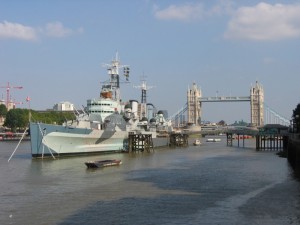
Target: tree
[
  {"x": 52, "y": 117},
  {"x": 16, "y": 118},
  {"x": 222, "y": 123},
  {"x": 3, "y": 110},
  {"x": 240, "y": 123},
  {"x": 296, "y": 118}
]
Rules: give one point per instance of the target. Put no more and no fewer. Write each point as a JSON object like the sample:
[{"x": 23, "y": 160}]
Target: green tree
[
  {"x": 222, "y": 123},
  {"x": 3, "y": 110},
  {"x": 52, "y": 117},
  {"x": 16, "y": 118},
  {"x": 296, "y": 118},
  {"x": 240, "y": 123}
]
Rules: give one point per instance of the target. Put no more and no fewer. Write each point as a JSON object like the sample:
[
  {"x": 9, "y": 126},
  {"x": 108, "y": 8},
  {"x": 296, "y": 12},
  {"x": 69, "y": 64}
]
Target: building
[
  {"x": 11, "y": 105},
  {"x": 63, "y": 106}
]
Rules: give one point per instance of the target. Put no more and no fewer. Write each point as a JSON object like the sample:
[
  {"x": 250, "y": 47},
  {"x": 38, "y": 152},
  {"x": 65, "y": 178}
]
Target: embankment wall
[{"x": 294, "y": 150}]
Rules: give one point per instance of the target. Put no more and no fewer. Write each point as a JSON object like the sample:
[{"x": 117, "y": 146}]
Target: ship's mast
[
  {"x": 113, "y": 72},
  {"x": 144, "y": 88}
]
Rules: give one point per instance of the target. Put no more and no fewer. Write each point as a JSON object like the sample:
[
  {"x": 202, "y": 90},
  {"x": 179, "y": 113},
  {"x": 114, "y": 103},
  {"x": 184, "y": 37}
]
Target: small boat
[
  {"x": 197, "y": 142},
  {"x": 213, "y": 140},
  {"x": 103, "y": 163}
]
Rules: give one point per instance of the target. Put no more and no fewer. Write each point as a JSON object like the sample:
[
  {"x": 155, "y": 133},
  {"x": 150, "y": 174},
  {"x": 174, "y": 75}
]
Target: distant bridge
[
  {"x": 260, "y": 113},
  {"x": 270, "y": 116}
]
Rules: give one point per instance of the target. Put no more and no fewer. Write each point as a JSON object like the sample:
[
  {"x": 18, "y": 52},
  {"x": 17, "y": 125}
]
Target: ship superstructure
[{"x": 109, "y": 100}]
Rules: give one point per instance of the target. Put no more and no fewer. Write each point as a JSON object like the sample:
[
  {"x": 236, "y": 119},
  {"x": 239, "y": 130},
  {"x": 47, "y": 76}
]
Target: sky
[{"x": 55, "y": 50}]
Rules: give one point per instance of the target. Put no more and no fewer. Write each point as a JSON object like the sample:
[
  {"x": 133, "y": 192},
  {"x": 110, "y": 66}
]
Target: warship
[{"x": 103, "y": 125}]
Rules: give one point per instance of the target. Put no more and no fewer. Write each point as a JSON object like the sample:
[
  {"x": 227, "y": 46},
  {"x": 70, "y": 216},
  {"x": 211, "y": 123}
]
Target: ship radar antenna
[
  {"x": 144, "y": 88},
  {"x": 114, "y": 78}
]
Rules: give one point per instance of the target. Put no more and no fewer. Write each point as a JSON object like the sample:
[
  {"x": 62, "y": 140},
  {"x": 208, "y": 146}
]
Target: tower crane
[
  {"x": 8, "y": 87},
  {"x": 17, "y": 103}
]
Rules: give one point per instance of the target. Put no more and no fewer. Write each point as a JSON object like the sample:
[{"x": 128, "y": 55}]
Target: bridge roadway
[{"x": 225, "y": 99}]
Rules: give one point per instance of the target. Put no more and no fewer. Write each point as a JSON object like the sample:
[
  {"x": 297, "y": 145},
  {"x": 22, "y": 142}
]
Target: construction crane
[
  {"x": 17, "y": 103},
  {"x": 8, "y": 87}
]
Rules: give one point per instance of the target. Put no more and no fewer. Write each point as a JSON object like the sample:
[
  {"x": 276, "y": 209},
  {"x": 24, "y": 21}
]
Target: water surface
[{"x": 207, "y": 184}]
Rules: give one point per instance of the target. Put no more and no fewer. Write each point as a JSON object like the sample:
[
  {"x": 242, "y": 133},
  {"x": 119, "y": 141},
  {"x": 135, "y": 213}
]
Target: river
[{"x": 207, "y": 184}]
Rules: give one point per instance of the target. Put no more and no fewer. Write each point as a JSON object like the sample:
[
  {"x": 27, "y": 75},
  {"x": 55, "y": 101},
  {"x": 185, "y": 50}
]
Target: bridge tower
[
  {"x": 257, "y": 104},
  {"x": 194, "y": 105}
]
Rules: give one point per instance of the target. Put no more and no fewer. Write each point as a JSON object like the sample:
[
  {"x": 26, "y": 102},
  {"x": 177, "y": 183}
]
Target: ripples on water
[{"x": 210, "y": 184}]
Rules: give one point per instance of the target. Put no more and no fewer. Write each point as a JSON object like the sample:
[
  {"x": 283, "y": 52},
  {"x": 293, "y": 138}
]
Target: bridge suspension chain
[
  {"x": 177, "y": 118},
  {"x": 272, "y": 117}
]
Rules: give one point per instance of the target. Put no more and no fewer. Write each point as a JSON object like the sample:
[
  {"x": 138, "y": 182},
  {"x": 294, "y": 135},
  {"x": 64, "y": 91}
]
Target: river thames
[{"x": 207, "y": 184}]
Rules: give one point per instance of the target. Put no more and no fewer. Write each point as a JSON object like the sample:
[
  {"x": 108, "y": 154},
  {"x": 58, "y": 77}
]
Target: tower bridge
[
  {"x": 256, "y": 99},
  {"x": 259, "y": 112}
]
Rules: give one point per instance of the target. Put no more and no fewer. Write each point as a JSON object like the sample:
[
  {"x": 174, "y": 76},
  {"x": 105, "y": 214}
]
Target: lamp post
[
  {"x": 29, "y": 113},
  {"x": 291, "y": 128},
  {"x": 297, "y": 122}
]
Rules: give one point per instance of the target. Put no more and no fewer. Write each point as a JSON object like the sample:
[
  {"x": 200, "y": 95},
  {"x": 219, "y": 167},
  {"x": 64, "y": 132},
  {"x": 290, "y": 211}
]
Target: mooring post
[
  {"x": 257, "y": 142},
  {"x": 229, "y": 139},
  {"x": 243, "y": 141}
]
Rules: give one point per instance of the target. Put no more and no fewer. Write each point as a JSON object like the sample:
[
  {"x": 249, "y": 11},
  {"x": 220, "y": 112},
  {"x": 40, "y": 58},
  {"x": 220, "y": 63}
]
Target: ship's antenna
[
  {"x": 114, "y": 78},
  {"x": 144, "y": 88},
  {"x": 117, "y": 56}
]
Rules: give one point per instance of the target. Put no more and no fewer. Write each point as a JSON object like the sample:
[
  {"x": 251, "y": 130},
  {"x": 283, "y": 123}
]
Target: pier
[
  {"x": 179, "y": 140},
  {"x": 271, "y": 142},
  {"x": 271, "y": 137},
  {"x": 10, "y": 136},
  {"x": 240, "y": 136},
  {"x": 140, "y": 142}
]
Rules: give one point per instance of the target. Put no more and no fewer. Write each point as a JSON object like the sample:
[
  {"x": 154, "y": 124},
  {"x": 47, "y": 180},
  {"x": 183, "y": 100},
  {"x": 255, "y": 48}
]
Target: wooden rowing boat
[{"x": 102, "y": 163}]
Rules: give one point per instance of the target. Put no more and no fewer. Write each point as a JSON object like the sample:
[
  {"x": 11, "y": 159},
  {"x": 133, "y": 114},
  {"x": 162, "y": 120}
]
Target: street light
[
  {"x": 297, "y": 123},
  {"x": 291, "y": 129}
]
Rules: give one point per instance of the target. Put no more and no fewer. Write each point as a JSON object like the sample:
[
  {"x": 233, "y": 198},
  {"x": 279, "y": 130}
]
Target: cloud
[
  {"x": 193, "y": 11},
  {"x": 17, "y": 31},
  {"x": 10, "y": 30},
  {"x": 186, "y": 12},
  {"x": 265, "y": 22},
  {"x": 57, "y": 29}
]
